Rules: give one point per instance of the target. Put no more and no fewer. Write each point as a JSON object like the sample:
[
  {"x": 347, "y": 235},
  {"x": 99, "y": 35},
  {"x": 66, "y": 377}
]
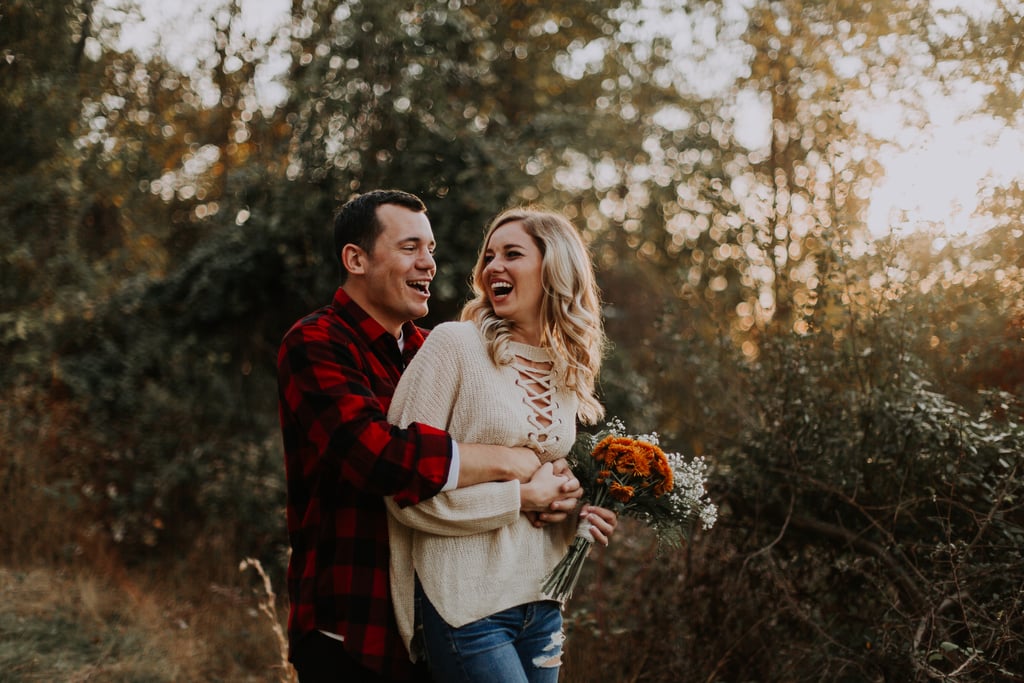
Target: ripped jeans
[{"x": 518, "y": 645}]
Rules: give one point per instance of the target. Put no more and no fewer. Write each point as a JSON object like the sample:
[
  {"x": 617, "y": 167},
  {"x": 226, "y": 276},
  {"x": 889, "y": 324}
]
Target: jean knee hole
[{"x": 551, "y": 655}]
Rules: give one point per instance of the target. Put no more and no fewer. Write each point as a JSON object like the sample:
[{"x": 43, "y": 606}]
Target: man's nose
[{"x": 427, "y": 261}]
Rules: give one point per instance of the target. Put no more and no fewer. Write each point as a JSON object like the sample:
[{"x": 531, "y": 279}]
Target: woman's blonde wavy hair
[{"x": 571, "y": 322}]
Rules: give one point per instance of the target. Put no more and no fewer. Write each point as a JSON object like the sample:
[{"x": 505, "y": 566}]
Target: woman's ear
[{"x": 353, "y": 259}]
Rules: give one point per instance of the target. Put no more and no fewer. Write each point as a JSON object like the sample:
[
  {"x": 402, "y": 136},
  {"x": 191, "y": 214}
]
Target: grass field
[{"x": 77, "y": 626}]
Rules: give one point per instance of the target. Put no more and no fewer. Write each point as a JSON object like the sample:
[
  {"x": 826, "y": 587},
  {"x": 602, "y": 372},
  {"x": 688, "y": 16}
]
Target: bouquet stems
[{"x": 560, "y": 582}]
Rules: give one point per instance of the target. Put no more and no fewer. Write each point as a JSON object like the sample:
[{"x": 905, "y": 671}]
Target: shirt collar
[
  {"x": 412, "y": 336},
  {"x": 358, "y": 317}
]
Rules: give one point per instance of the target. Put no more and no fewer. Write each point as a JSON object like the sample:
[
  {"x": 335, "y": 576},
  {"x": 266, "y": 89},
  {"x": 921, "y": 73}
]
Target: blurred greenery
[{"x": 860, "y": 398}]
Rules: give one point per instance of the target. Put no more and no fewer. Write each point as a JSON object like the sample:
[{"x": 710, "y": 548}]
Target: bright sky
[
  {"x": 936, "y": 176},
  {"x": 932, "y": 176},
  {"x": 165, "y": 23},
  {"x": 937, "y": 181}
]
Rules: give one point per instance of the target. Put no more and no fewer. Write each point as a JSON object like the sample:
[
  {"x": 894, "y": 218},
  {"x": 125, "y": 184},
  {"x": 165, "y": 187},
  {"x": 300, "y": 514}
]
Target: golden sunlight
[{"x": 937, "y": 184}]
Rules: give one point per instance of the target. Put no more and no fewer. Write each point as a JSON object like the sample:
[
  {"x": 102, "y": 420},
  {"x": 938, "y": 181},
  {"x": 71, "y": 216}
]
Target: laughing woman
[{"x": 518, "y": 369}]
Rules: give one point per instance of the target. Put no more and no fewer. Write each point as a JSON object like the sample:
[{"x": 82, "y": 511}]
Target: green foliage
[
  {"x": 871, "y": 529},
  {"x": 856, "y": 464},
  {"x": 180, "y": 381}
]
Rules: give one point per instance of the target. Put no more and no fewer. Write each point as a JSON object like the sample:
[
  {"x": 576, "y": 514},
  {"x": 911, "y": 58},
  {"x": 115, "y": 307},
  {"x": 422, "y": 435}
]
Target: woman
[{"x": 518, "y": 369}]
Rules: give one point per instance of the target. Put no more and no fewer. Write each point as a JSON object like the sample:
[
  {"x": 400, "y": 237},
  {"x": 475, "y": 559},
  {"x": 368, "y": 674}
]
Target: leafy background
[{"x": 860, "y": 398}]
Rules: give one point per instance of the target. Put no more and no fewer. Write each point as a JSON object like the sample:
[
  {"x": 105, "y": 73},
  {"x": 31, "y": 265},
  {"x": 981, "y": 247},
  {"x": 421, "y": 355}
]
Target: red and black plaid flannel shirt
[{"x": 337, "y": 371}]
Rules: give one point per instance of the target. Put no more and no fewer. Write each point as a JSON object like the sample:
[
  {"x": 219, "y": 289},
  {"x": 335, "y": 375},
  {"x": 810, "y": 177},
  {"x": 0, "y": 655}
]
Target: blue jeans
[{"x": 518, "y": 645}]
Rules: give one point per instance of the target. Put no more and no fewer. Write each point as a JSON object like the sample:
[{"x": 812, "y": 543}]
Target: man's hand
[
  {"x": 522, "y": 463},
  {"x": 561, "y": 468}
]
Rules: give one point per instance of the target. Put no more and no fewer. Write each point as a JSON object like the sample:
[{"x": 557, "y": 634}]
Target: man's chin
[{"x": 419, "y": 311}]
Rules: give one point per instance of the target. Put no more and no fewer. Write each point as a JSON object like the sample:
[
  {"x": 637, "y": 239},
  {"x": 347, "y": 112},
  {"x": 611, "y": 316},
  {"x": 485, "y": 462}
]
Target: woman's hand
[
  {"x": 550, "y": 493},
  {"x": 602, "y": 522}
]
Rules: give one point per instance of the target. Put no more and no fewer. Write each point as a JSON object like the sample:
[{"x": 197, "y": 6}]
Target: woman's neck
[{"x": 530, "y": 336}]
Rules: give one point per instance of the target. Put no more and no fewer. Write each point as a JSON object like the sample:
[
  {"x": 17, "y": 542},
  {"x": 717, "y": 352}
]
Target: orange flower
[
  {"x": 625, "y": 463},
  {"x": 663, "y": 486},
  {"x": 646, "y": 454},
  {"x": 620, "y": 492},
  {"x": 610, "y": 448},
  {"x": 643, "y": 463}
]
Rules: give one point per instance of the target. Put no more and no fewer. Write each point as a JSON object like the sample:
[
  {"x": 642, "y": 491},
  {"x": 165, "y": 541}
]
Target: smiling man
[{"x": 337, "y": 372}]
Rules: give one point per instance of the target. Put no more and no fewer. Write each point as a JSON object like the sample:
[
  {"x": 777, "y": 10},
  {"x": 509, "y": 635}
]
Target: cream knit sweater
[{"x": 474, "y": 552}]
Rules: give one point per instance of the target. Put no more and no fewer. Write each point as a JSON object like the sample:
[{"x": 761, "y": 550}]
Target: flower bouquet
[{"x": 632, "y": 476}]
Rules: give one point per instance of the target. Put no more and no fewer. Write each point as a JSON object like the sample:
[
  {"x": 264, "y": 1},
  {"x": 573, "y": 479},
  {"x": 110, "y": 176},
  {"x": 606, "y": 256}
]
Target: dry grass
[
  {"x": 268, "y": 608},
  {"x": 69, "y": 609},
  {"x": 77, "y": 626}
]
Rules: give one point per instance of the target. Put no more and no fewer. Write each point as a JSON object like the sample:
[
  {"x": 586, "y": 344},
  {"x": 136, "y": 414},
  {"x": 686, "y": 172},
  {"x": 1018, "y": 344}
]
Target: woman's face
[{"x": 512, "y": 277}]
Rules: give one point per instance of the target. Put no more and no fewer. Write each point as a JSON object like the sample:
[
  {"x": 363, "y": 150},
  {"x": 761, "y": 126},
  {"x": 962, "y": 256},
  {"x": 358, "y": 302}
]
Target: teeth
[
  {"x": 500, "y": 288},
  {"x": 421, "y": 285}
]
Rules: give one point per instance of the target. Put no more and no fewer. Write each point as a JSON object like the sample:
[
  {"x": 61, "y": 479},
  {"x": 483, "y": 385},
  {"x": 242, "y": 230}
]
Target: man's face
[{"x": 400, "y": 268}]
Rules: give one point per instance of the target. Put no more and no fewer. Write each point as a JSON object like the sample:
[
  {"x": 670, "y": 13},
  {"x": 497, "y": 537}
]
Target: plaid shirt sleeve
[
  {"x": 337, "y": 371},
  {"x": 339, "y": 424}
]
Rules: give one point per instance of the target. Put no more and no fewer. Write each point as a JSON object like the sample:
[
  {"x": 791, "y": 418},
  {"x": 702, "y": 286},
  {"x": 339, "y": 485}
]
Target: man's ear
[{"x": 353, "y": 259}]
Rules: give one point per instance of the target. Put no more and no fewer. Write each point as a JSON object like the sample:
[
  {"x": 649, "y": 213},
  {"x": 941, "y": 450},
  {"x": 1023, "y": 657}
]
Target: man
[{"x": 337, "y": 371}]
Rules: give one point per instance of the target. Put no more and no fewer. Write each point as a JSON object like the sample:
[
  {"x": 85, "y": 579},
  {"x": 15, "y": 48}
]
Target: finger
[
  {"x": 572, "y": 484},
  {"x": 605, "y": 514},
  {"x": 567, "y": 504},
  {"x": 553, "y": 517},
  {"x": 596, "y": 532},
  {"x": 574, "y": 494},
  {"x": 598, "y": 522}
]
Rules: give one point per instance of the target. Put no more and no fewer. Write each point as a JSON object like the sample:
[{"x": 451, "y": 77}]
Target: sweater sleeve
[
  {"x": 427, "y": 394},
  {"x": 471, "y": 510}
]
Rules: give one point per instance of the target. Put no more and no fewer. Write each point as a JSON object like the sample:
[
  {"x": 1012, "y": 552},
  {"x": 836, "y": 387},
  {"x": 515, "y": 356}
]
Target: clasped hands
[{"x": 553, "y": 492}]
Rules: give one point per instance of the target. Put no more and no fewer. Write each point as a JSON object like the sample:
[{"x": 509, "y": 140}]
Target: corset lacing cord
[{"x": 539, "y": 392}]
